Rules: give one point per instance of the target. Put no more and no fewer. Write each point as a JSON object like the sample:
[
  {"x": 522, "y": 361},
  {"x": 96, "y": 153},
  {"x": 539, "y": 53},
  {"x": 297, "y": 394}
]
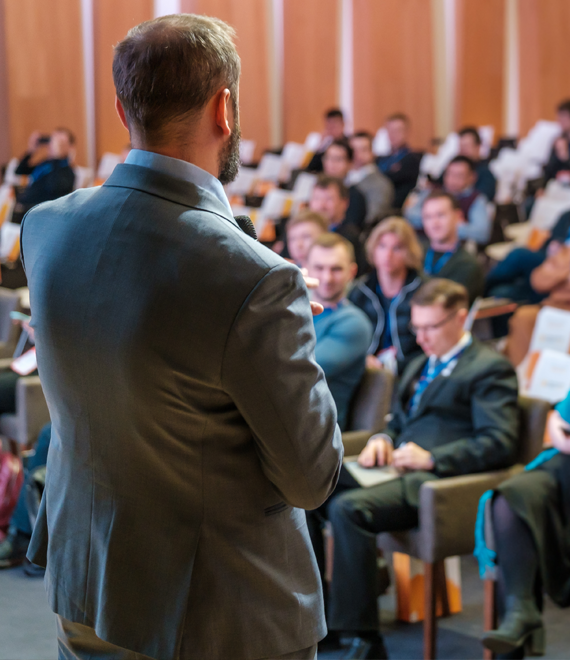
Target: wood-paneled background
[{"x": 42, "y": 83}]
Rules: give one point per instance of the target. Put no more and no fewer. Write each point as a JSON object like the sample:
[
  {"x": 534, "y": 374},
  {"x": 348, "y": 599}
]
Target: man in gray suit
[{"x": 191, "y": 424}]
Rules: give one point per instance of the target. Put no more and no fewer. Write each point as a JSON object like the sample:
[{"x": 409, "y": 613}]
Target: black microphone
[{"x": 246, "y": 225}]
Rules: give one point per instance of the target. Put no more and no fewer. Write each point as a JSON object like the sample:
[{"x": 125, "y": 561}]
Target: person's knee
[{"x": 343, "y": 509}]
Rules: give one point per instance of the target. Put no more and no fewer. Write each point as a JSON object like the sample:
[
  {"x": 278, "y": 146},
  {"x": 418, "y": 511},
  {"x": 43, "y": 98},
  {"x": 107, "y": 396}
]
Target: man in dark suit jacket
[
  {"x": 444, "y": 255},
  {"x": 455, "y": 413},
  {"x": 191, "y": 423},
  {"x": 401, "y": 165}
]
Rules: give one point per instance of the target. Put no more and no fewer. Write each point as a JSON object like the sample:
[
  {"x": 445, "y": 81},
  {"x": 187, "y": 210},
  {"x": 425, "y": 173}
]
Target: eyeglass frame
[{"x": 428, "y": 328}]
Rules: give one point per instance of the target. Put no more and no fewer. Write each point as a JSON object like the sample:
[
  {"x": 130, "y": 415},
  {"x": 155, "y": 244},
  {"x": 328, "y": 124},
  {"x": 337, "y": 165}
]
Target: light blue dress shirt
[{"x": 181, "y": 170}]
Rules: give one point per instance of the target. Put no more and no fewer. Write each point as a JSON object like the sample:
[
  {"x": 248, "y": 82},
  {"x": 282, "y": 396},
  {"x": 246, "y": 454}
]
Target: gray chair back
[
  {"x": 371, "y": 401},
  {"x": 9, "y": 331},
  {"x": 533, "y": 414}
]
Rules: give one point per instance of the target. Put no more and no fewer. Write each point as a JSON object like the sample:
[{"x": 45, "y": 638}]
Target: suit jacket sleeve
[
  {"x": 270, "y": 372},
  {"x": 495, "y": 419}
]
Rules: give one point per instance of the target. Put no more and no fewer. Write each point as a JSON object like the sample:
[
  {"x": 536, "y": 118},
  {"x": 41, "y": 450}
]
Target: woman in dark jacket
[
  {"x": 531, "y": 533},
  {"x": 385, "y": 294}
]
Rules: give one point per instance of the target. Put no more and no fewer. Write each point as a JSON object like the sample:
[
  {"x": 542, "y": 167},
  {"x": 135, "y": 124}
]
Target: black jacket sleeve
[{"x": 495, "y": 418}]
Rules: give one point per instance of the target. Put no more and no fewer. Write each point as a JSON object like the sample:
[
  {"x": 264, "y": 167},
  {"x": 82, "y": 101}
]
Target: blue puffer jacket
[{"x": 363, "y": 295}]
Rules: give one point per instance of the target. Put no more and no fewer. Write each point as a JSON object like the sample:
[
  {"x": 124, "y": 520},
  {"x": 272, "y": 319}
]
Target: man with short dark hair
[
  {"x": 455, "y": 413},
  {"x": 470, "y": 146},
  {"x": 459, "y": 181},
  {"x": 444, "y": 257},
  {"x": 190, "y": 423},
  {"x": 343, "y": 331},
  {"x": 337, "y": 161},
  {"x": 331, "y": 198},
  {"x": 48, "y": 165},
  {"x": 401, "y": 165},
  {"x": 333, "y": 130},
  {"x": 365, "y": 175}
]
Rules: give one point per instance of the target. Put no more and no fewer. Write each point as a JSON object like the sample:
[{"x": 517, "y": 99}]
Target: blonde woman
[{"x": 384, "y": 294}]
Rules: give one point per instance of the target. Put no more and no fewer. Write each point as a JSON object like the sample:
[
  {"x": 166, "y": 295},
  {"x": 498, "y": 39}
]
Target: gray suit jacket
[
  {"x": 378, "y": 191},
  {"x": 191, "y": 424}
]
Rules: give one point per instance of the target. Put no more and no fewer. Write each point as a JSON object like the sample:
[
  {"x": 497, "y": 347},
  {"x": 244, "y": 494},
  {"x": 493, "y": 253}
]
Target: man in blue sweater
[{"x": 343, "y": 331}]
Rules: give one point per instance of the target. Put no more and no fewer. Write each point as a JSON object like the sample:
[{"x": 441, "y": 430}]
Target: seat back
[
  {"x": 533, "y": 414},
  {"x": 371, "y": 401},
  {"x": 9, "y": 332}
]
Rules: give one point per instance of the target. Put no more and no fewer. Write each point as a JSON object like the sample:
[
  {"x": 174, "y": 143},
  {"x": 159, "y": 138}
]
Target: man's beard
[{"x": 228, "y": 160}]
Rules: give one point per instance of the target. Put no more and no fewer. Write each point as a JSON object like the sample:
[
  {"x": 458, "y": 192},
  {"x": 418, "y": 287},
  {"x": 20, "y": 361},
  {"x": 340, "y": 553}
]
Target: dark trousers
[{"x": 357, "y": 515}]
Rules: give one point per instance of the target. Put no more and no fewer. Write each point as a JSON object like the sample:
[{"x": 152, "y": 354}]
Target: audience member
[
  {"x": 531, "y": 528},
  {"x": 385, "y": 294},
  {"x": 333, "y": 130},
  {"x": 330, "y": 198},
  {"x": 48, "y": 164},
  {"x": 441, "y": 218},
  {"x": 301, "y": 231},
  {"x": 470, "y": 147},
  {"x": 337, "y": 162},
  {"x": 365, "y": 175},
  {"x": 14, "y": 547},
  {"x": 343, "y": 331},
  {"x": 441, "y": 427},
  {"x": 510, "y": 278},
  {"x": 401, "y": 166},
  {"x": 558, "y": 165},
  {"x": 458, "y": 180},
  {"x": 552, "y": 280}
]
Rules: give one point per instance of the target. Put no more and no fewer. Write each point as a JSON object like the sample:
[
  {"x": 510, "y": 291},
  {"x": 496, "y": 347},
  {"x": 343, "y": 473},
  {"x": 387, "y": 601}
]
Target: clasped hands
[{"x": 380, "y": 452}]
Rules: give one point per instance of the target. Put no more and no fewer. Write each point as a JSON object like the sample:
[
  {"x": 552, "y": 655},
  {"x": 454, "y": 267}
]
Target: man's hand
[
  {"x": 372, "y": 362},
  {"x": 312, "y": 283},
  {"x": 378, "y": 451},
  {"x": 555, "y": 430},
  {"x": 412, "y": 457},
  {"x": 33, "y": 141}
]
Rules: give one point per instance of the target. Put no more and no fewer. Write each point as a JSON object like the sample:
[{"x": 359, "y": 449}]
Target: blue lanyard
[
  {"x": 429, "y": 267},
  {"x": 430, "y": 374}
]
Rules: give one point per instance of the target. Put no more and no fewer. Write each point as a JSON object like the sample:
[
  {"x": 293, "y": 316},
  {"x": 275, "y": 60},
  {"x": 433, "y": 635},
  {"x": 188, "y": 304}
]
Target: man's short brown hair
[
  {"x": 441, "y": 194},
  {"x": 167, "y": 69},
  {"x": 450, "y": 295},
  {"x": 325, "y": 182},
  {"x": 398, "y": 116},
  {"x": 331, "y": 240},
  {"x": 308, "y": 216}
]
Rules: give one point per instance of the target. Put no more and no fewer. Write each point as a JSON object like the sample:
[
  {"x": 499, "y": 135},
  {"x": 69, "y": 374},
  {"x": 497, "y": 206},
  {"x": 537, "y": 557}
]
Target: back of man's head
[
  {"x": 439, "y": 291},
  {"x": 166, "y": 70}
]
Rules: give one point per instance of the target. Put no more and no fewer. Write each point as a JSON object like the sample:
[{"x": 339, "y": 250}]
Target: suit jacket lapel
[
  {"x": 440, "y": 382},
  {"x": 168, "y": 187}
]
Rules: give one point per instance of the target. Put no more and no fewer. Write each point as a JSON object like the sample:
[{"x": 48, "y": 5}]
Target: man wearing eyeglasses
[{"x": 455, "y": 413}]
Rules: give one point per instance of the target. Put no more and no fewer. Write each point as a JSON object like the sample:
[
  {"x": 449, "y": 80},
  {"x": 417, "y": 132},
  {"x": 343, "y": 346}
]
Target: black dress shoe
[
  {"x": 521, "y": 629},
  {"x": 369, "y": 648}
]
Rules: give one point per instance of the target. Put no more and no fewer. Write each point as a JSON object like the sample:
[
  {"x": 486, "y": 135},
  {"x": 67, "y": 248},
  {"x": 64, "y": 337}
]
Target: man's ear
[
  {"x": 121, "y": 112},
  {"x": 353, "y": 270},
  {"x": 462, "y": 315},
  {"x": 222, "y": 113}
]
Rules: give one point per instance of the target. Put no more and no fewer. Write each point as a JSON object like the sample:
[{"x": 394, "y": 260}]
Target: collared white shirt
[
  {"x": 447, "y": 358},
  {"x": 180, "y": 169},
  {"x": 354, "y": 177}
]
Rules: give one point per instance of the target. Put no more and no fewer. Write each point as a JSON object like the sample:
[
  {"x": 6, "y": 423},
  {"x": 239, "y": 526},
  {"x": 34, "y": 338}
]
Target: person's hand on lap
[
  {"x": 378, "y": 451},
  {"x": 412, "y": 457}
]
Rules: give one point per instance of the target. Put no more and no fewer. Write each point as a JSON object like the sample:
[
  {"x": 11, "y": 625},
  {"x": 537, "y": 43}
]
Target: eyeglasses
[{"x": 414, "y": 329}]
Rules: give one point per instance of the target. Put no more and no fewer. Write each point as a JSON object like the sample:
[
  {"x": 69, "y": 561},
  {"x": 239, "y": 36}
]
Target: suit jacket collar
[
  {"x": 415, "y": 368},
  {"x": 168, "y": 187}
]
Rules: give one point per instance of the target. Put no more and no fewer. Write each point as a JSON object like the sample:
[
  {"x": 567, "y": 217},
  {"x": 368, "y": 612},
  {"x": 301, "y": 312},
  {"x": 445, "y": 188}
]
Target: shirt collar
[
  {"x": 461, "y": 344},
  {"x": 356, "y": 176},
  {"x": 180, "y": 169}
]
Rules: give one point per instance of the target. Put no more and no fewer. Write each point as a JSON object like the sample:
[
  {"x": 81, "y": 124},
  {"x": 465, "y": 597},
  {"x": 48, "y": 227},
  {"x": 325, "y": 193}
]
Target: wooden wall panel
[
  {"x": 249, "y": 19},
  {"x": 393, "y": 65},
  {"x": 310, "y": 65},
  {"x": 45, "y": 70},
  {"x": 4, "y": 109},
  {"x": 544, "y": 59},
  {"x": 480, "y": 63},
  {"x": 111, "y": 22}
]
